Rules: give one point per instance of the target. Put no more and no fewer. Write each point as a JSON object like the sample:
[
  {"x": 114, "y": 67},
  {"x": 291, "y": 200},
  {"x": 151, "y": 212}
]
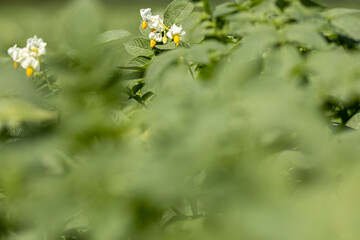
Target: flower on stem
[
  {"x": 164, "y": 39},
  {"x": 155, "y": 37},
  {"x": 30, "y": 64},
  {"x": 146, "y": 15},
  {"x": 157, "y": 24},
  {"x": 28, "y": 57},
  {"x": 16, "y": 54},
  {"x": 159, "y": 31},
  {"x": 36, "y": 45},
  {"x": 175, "y": 33}
]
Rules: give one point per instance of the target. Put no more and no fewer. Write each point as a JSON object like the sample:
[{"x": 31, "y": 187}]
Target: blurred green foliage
[{"x": 239, "y": 133}]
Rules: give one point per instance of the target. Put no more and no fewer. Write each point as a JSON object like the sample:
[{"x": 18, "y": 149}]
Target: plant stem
[
  {"x": 46, "y": 77},
  {"x": 191, "y": 72}
]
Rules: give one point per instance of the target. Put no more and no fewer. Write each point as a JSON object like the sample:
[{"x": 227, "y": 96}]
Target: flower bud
[{"x": 164, "y": 40}]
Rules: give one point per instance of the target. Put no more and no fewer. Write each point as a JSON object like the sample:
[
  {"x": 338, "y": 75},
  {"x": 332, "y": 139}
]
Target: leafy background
[{"x": 234, "y": 144}]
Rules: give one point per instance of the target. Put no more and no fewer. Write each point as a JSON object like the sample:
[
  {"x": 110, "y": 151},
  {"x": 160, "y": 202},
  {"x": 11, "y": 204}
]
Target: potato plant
[{"x": 234, "y": 121}]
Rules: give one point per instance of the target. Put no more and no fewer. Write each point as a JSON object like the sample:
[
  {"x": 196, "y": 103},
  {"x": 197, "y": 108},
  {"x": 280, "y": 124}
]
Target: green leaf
[
  {"x": 310, "y": 3},
  {"x": 112, "y": 35},
  {"x": 224, "y": 9},
  {"x": 170, "y": 45},
  {"x": 161, "y": 63},
  {"x": 144, "y": 32},
  {"x": 338, "y": 12},
  {"x": 147, "y": 95},
  {"x": 206, "y": 6},
  {"x": 282, "y": 4},
  {"x": 137, "y": 87},
  {"x": 184, "y": 44},
  {"x": 349, "y": 25},
  {"x": 140, "y": 61},
  {"x": 139, "y": 47},
  {"x": 304, "y": 35},
  {"x": 354, "y": 122},
  {"x": 17, "y": 111},
  {"x": 82, "y": 25},
  {"x": 200, "y": 53},
  {"x": 177, "y": 11}
]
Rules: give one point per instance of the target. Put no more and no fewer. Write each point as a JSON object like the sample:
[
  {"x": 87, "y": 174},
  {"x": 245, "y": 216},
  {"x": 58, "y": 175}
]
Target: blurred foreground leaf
[
  {"x": 113, "y": 35},
  {"x": 16, "y": 111}
]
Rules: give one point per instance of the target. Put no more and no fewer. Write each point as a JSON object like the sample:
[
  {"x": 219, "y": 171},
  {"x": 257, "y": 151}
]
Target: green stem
[
  {"x": 40, "y": 88},
  {"x": 46, "y": 77},
  {"x": 191, "y": 72}
]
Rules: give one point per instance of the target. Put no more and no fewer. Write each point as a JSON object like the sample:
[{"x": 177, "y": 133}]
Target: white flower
[
  {"x": 36, "y": 45},
  {"x": 15, "y": 54},
  {"x": 154, "y": 38},
  {"x": 157, "y": 36},
  {"x": 31, "y": 64},
  {"x": 18, "y": 54},
  {"x": 157, "y": 23},
  {"x": 146, "y": 15},
  {"x": 175, "y": 33}
]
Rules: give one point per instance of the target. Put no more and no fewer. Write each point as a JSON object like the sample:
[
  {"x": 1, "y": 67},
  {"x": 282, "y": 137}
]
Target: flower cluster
[
  {"x": 159, "y": 32},
  {"x": 28, "y": 57}
]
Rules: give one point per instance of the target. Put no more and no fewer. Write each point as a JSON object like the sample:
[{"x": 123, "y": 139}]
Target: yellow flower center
[
  {"x": 144, "y": 25},
  {"x": 152, "y": 43},
  {"x": 35, "y": 50},
  {"x": 16, "y": 64},
  {"x": 176, "y": 39},
  {"x": 29, "y": 71}
]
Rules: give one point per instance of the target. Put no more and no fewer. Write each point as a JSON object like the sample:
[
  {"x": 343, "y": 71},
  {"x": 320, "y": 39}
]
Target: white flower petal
[
  {"x": 36, "y": 45},
  {"x": 30, "y": 62},
  {"x": 14, "y": 52},
  {"x": 175, "y": 30},
  {"x": 156, "y": 36},
  {"x": 145, "y": 13},
  {"x": 157, "y": 23}
]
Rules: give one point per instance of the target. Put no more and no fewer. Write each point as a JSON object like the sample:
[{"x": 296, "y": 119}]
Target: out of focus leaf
[
  {"x": 349, "y": 25},
  {"x": 113, "y": 35},
  {"x": 310, "y": 3},
  {"x": 338, "y": 12},
  {"x": 201, "y": 53},
  {"x": 16, "y": 111},
  {"x": 305, "y": 36},
  {"x": 224, "y": 9},
  {"x": 160, "y": 64},
  {"x": 354, "y": 122}
]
